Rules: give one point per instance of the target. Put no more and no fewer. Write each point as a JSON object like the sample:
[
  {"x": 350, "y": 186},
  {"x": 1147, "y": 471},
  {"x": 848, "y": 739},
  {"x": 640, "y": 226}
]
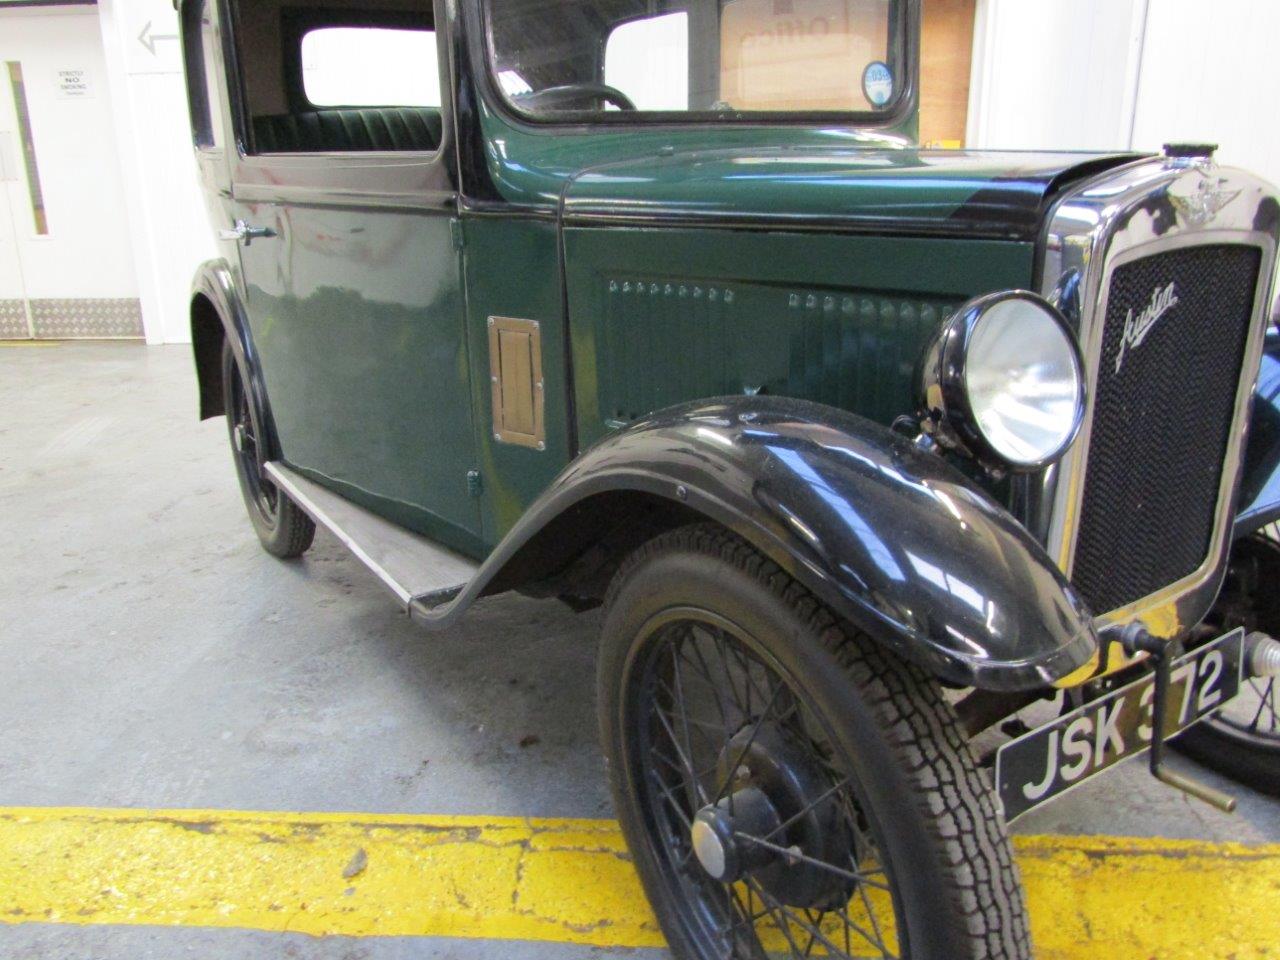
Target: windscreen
[{"x": 622, "y": 58}]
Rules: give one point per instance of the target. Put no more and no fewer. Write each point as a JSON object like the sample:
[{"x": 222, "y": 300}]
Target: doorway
[{"x": 66, "y": 264}]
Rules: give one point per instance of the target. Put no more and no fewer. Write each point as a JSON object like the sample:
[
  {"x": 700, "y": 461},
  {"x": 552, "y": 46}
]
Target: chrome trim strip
[
  {"x": 1116, "y": 218},
  {"x": 318, "y": 195}
]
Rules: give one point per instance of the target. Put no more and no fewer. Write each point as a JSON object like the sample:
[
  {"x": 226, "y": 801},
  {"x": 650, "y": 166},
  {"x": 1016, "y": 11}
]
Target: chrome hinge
[{"x": 474, "y": 483}]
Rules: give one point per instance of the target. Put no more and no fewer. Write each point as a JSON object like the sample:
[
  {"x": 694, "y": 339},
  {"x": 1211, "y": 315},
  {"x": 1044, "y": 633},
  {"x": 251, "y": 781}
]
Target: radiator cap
[{"x": 1190, "y": 151}]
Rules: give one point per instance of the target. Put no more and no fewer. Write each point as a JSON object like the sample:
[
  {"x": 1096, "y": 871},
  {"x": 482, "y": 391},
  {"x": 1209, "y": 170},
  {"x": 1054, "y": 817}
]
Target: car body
[{"x": 530, "y": 342}]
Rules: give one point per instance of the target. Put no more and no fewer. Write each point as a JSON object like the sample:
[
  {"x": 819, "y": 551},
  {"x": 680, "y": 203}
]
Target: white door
[
  {"x": 14, "y": 321},
  {"x": 65, "y": 256}
]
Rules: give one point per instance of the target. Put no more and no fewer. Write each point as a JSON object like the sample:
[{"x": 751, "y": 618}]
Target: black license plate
[{"x": 1052, "y": 759}]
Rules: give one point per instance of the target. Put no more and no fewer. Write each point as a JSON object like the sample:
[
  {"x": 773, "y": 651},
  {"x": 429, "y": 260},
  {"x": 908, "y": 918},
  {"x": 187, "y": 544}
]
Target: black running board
[{"x": 420, "y": 572}]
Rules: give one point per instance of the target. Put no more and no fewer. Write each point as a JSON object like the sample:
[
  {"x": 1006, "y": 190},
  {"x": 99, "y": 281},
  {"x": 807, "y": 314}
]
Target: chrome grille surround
[{"x": 1129, "y": 213}]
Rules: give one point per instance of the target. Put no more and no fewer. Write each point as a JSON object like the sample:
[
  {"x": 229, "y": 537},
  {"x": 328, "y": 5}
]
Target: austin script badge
[{"x": 1163, "y": 299}]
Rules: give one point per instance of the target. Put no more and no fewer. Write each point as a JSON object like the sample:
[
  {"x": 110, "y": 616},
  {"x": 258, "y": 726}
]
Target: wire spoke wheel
[
  {"x": 1242, "y": 739},
  {"x": 244, "y": 441},
  {"x": 1251, "y": 598},
  {"x": 1254, "y": 711},
  {"x": 753, "y": 808},
  {"x": 786, "y": 787},
  {"x": 1255, "y": 602},
  {"x": 282, "y": 527}
]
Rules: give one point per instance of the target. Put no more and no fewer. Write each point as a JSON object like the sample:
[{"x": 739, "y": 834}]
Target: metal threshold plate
[{"x": 411, "y": 566}]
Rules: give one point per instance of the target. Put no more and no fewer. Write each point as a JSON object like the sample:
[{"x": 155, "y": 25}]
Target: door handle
[{"x": 244, "y": 233}]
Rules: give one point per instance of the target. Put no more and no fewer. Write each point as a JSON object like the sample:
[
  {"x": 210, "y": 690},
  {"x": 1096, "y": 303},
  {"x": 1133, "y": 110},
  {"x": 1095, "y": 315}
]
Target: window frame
[
  {"x": 196, "y": 68},
  {"x": 397, "y": 179},
  {"x": 905, "y": 41}
]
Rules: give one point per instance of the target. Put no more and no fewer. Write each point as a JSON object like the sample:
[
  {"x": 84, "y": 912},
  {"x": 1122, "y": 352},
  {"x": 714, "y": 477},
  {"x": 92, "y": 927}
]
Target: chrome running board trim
[{"x": 415, "y": 569}]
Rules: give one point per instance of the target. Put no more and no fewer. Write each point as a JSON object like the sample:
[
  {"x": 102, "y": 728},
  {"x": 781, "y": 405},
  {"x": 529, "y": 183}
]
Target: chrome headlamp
[{"x": 1004, "y": 382}]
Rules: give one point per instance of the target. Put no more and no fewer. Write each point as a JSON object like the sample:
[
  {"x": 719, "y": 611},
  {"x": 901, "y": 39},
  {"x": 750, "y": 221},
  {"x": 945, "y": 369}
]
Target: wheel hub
[
  {"x": 718, "y": 829},
  {"x": 776, "y": 824}
]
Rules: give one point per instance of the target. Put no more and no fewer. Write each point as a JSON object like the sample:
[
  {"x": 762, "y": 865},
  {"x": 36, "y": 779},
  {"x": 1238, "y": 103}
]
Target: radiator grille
[{"x": 1163, "y": 407}]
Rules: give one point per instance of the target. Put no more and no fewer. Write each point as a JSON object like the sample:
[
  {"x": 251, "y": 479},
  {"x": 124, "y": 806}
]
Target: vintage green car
[{"x": 864, "y": 447}]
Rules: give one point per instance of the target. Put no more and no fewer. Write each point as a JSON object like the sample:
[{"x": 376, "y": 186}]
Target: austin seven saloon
[{"x": 867, "y": 450}]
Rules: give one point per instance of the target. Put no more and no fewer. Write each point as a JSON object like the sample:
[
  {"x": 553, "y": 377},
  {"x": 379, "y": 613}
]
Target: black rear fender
[{"x": 218, "y": 316}]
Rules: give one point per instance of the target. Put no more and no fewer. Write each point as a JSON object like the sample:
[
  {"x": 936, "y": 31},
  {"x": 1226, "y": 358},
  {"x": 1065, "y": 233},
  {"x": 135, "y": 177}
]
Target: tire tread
[
  {"x": 954, "y": 796},
  {"x": 296, "y": 530}
]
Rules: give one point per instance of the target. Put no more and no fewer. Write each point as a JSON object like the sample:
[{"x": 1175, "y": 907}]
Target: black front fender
[{"x": 891, "y": 537}]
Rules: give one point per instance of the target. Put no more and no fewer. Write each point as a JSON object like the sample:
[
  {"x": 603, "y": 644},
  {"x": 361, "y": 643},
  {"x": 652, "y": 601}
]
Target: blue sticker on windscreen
[{"x": 877, "y": 83}]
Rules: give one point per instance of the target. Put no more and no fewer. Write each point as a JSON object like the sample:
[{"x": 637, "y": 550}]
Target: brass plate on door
[{"x": 515, "y": 374}]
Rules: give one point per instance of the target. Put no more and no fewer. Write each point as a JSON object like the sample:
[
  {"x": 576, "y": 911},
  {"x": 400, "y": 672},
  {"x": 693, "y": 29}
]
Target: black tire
[
  {"x": 901, "y": 791},
  {"x": 1242, "y": 741},
  {"x": 284, "y": 530}
]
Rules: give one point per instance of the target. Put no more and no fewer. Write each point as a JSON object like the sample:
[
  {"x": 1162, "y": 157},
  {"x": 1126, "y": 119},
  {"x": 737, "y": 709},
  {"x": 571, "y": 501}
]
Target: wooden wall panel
[
  {"x": 772, "y": 50},
  {"x": 946, "y": 54}
]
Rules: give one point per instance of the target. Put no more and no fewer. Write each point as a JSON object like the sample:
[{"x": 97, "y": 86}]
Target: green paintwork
[
  {"x": 377, "y": 365},
  {"x": 512, "y": 269},
  {"x": 745, "y": 171},
  {"x": 661, "y": 316},
  {"x": 357, "y": 316},
  {"x": 530, "y": 164},
  {"x": 663, "y": 309},
  {"x": 662, "y": 264}
]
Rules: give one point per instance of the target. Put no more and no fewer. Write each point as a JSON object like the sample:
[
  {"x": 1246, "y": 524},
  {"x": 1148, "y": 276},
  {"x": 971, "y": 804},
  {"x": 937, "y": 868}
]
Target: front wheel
[
  {"x": 282, "y": 527},
  {"x": 785, "y": 786}
]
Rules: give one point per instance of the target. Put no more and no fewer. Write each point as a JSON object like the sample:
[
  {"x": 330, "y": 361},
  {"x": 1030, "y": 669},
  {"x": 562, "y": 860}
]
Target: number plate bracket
[
  {"x": 1142, "y": 641},
  {"x": 1046, "y": 762}
]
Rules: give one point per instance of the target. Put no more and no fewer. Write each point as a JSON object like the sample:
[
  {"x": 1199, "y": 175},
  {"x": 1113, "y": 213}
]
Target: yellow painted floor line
[{"x": 559, "y": 880}]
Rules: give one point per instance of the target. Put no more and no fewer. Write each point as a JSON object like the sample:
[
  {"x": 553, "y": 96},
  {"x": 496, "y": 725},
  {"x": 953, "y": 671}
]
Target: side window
[
  {"x": 357, "y": 76},
  {"x": 648, "y": 60},
  {"x": 370, "y": 67}
]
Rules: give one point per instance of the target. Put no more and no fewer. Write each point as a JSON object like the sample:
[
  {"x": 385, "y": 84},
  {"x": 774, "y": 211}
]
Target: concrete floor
[{"x": 154, "y": 656}]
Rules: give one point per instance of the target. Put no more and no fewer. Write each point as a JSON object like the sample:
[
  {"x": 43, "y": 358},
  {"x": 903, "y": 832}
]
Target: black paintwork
[
  {"x": 912, "y": 191},
  {"x": 213, "y": 282},
  {"x": 1015, "y": 205},
  {"x": 889, "y": 535}
]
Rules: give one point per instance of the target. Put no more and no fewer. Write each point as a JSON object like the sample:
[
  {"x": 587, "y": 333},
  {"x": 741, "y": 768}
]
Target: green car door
[{"x": 352, "y": 279}]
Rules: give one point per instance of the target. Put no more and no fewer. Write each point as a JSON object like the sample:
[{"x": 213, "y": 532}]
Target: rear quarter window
[{"x": 370, "y": 67}]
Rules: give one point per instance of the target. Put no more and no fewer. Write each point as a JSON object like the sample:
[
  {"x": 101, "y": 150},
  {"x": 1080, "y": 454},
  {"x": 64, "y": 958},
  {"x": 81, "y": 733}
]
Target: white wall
[
  {"x": 1129, "y": 74},
  {"x": 1209, "y": 73},
  {"x": 168, "y": 225},
  {"x": 1121, "y": 74},
  {"x": 1054, "y": 74}
]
